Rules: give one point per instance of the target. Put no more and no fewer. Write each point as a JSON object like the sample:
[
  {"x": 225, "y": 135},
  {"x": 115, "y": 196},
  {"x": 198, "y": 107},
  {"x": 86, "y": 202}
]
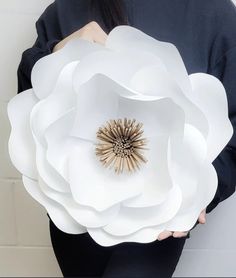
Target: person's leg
[
  {"x": 156, "y": 259},
  {"x": 78, "y": 255}
]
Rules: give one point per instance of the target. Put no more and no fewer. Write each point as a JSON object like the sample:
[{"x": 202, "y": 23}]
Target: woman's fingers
[
  {"x": 180, "y": 234},
  {"x": 202, "y": 217},
  {"x": 99, "y": 35},
  {"x": 90, "y": 32},
  {"x": 164, "y": 235}
]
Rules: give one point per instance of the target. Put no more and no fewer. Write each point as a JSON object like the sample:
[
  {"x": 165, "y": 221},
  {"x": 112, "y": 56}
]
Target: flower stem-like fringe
[{"x": 120, "y": 145}]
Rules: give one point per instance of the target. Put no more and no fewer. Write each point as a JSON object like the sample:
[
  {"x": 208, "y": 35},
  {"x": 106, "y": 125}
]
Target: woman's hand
[
  {"x": 166, "y": 234},
  {"x": 90, "y": 32}
]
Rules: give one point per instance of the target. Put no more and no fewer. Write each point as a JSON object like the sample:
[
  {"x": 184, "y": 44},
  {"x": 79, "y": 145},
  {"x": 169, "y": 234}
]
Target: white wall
[{"x": 25, "y": 247}]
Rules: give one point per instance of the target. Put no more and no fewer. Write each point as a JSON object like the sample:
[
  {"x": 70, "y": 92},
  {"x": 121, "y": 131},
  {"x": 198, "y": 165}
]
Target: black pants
[{"x": 80, "y": 256}]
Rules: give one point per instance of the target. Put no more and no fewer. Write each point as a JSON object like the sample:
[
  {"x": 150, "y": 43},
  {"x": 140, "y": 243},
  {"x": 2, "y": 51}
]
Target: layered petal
[
  {"x": 118, "y": 66},
  {"x": 210, "y": 96},
  {"x": 46, "y": 113},
  {"x": 97, "y": 102},
  {"x": 186, "y": 161},
  {"x": 130, "y": 220},
  {"x": 21, "y": 145},
  {"x": 158, "y": 181},
  {"x": 123, "y": 38},
  {"x": 195, "y": 175},
  {"x": 47, "y": 172},
  {"x": 59, "y": 216},
  {"x": 188, "y": 215},
  {"x": 144, "y": 235},
  {"x": 102, "y": 99},
  {"x": 153, "y": 81},
  {"x": 49, "y": 67},
  {"x": 96, "y": 186},
  {"x": 59, "y": 143},
  {"x": 59, "y": 102},
  {"x": 84, "y": 215}
]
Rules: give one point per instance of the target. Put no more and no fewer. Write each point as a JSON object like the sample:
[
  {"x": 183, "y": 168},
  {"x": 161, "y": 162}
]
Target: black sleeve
[
  {"x": 47, "y": 37},
  {"x": 225, "y": 163}
]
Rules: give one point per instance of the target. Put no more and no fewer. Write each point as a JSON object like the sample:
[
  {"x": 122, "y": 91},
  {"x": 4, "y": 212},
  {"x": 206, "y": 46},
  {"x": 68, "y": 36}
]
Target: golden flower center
[{"x": 120, "y": 145}]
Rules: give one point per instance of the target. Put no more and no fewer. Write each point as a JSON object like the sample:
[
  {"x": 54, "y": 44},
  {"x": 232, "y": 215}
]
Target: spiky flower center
[{"x": 120, "y": 145}]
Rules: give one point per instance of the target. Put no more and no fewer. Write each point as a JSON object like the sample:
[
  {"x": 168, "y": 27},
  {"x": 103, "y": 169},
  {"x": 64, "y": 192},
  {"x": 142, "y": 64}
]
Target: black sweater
[{"x": 204, "y": 31}]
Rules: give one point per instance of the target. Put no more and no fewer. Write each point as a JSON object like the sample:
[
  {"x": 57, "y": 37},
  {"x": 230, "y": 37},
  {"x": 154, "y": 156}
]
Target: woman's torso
[{"x": 193, "y": 26}]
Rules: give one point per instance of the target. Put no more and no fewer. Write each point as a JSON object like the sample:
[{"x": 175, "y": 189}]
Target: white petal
[
  {"x": 97, "y": 102},
  {"x": 145, "y": 235},
  {"x": 210, "y": 96},
  {"x": 158, "y": 182},
  {"x": 127, "y": 38},
  {"x": 152, "y": 80},
  {"x": 186, "y": 161},
  {"x": 119, "y": 66},
  {"x": 94, "y": 185},
  {"x": 130, "y": 220},
  {"x": 84, "y": 215},
  {"x": 159, "y": 115},
  {"x": 208, "y": 183},
  {"x": 61, "y": 100},
  {"x": 48, "y": 173},
  {"x": 101, "y": 99},
  {"x": 196, "y": 178},
  {"x": 59, "y": 144},
  {"x": 59, "y": 216},
  {"x": 21, "y": 144},
  {"x": 207, "y": 186},
  {"x": 49, "y": 67},
  {"x": 155, "y": 177}
]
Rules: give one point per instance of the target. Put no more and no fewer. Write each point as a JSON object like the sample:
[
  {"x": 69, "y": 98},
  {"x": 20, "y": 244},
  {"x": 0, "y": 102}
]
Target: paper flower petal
[
  {"x": 186, "y": 161},
  {"x": 159, "y": 115},
  {"x": 210, "y": 96},
  {"x": 127, "y": 63},
  {"x": 103, "y": 99},
  {"x": 49, "y": 67},
  {"x": 59, "y": 216},
  {"x": 129, "y": 220},
  {"x": 59, "y": 144},
  {"x": 21, "y": 144},
  {"x": 206, "y": 189},
  {"x": 124, "y": 37},
  {"x": 94, "y": 185},
  {"x": 98, "y": 98},
  {"x": 58, "y": 103},
  {"x": 87, "y": 216},
  {"x": 48, "y": 173},
  {"x": 145, "y": 235},
  {"x": 153, "y": 81},
  {"x": 158, "y": 181},
  {"x": 195, "y": 176}
]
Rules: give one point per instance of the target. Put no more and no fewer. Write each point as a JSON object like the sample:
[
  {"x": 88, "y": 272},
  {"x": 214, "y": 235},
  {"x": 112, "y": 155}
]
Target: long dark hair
[{"x": 112, "y": 12}]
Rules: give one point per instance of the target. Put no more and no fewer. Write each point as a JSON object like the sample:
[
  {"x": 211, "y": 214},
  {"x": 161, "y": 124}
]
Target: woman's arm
[
  {"x": 222, "y": 64},
  {"x": 43, "y": 46},
  {"x": 49, "y": 40},
  {"x": 225, "y": 163}
]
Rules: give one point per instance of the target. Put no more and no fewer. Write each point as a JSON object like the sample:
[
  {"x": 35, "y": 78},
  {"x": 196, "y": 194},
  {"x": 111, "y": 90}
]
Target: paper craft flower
[{"x": 117, "y": 140}]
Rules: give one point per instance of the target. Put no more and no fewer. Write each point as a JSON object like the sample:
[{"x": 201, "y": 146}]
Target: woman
[{"x": 203, "y": 32}]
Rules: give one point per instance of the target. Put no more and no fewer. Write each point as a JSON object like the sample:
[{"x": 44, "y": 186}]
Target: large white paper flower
[{"x": 117, "y": 140}]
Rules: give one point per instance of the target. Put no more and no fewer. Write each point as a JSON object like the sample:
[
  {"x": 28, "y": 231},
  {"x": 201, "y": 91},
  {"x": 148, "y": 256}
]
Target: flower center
[{"x": 120, "y": 145}]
